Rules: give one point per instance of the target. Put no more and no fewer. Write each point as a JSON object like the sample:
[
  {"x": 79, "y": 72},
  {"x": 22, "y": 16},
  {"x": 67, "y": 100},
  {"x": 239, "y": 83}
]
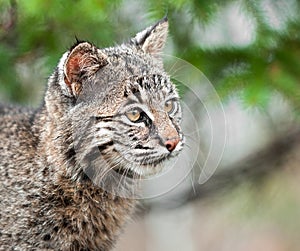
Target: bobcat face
[
  {"x": 147, "y": 125},
  {"x": 135, "y": 106}
]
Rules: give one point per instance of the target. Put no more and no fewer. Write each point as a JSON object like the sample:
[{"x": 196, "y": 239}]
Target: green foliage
[
  {"x": 268, "y": 63},
  {"x": 35, "y": 28}
]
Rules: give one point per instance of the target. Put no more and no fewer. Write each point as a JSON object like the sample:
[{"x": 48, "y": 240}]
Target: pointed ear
[
  {"x": 83, "y": 60},
  {"x": 152, "y": 39}
]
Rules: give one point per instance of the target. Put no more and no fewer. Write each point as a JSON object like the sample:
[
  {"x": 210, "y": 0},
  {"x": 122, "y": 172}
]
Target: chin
[
  {"x": 139, "y": 170},
  {"x": 147, "y": 170}
]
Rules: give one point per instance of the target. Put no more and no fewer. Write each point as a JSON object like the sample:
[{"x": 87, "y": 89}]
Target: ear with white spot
[
  {"x": 152, "y": 40},
  {"x": 83, "y": 60}
]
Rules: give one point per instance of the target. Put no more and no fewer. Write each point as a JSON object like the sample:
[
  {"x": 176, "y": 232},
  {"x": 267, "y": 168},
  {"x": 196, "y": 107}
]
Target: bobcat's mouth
[
  {"x": 136, "y": 164},
  {"x": 145, "y": 167},
  {"x": 139, "y": 170}
]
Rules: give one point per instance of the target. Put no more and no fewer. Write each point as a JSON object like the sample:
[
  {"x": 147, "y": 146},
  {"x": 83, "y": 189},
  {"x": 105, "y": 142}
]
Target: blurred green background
[
  {"x": 250, "y": 52},
  {"x": 250, "y": 47}
]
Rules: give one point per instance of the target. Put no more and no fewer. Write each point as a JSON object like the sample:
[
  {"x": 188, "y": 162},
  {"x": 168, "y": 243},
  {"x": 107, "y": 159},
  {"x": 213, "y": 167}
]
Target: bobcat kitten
[{"x": 106, "y": 111}]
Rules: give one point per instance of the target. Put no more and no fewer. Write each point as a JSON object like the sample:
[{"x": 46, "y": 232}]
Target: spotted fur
[{"x": 66, "y": 167}]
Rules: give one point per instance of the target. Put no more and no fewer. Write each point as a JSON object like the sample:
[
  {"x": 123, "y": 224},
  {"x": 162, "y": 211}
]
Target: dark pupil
[{"x": 144, "y": 118}]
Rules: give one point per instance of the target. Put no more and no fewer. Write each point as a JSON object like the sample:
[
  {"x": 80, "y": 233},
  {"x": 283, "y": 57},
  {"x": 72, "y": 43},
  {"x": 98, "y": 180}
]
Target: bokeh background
[{"x": 249, "y": 50}]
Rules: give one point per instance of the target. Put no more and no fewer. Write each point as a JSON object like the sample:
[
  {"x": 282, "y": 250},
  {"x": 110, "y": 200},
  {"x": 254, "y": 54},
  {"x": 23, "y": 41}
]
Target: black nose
[{"x": 171, "y": 144}]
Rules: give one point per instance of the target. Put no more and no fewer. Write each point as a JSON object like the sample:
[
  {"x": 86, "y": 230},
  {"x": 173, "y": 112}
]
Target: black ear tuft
[
  {"x": 78, "y": 41},
  {"x": 83, "y": 60},
  {"x": 152, "y": 39}
]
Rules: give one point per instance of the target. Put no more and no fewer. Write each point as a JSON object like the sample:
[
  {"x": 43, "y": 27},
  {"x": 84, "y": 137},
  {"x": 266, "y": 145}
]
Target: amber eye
[
  {"x": 133, "y": 115},
  {"x": 169, "y": 106}
]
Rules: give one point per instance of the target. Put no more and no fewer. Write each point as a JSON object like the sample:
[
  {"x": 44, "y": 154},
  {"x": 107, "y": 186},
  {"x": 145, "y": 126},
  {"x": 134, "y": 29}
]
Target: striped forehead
[{"x": 155, "y": 87}]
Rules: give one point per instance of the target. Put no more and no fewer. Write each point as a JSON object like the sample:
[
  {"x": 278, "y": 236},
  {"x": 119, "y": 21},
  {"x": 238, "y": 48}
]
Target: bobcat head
[{"x": 120, "y": 101}]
